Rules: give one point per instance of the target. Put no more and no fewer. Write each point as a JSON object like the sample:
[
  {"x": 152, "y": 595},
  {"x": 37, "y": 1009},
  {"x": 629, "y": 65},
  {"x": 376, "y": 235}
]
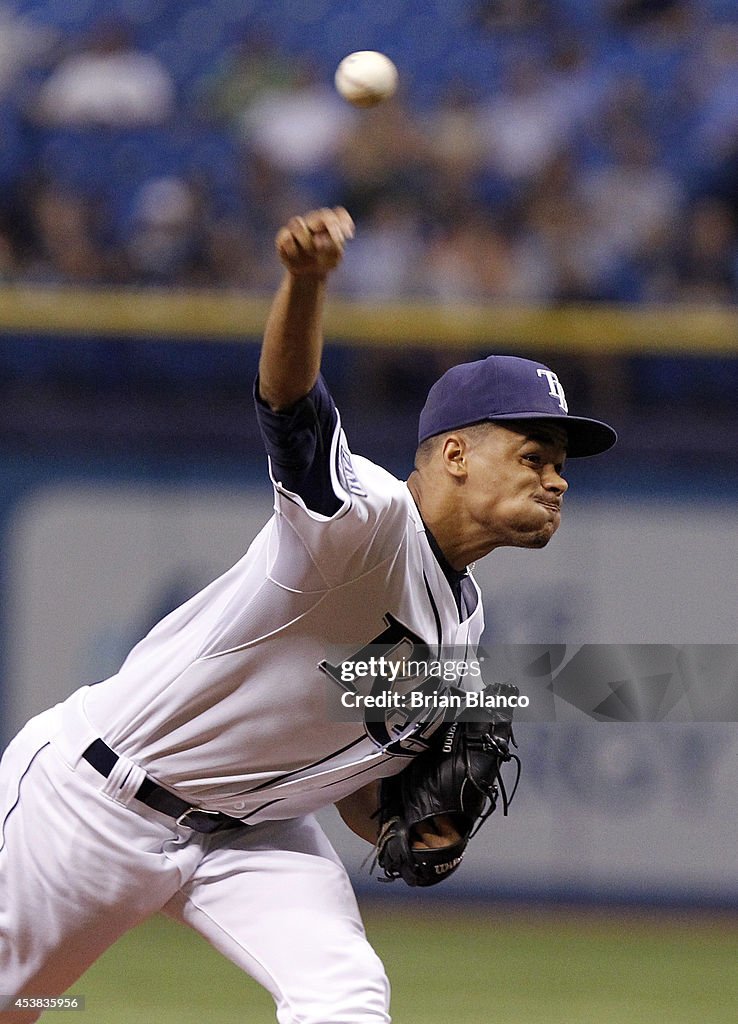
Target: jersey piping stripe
[
  {"x": 363, "y": 771},
  {"x": 18, "y": 793},
  {"x": 436, "y": 615},
  {"x": 305, "y": 767},
  {"x": 256, "y": 810},
  {"x": 271, "y": 803},
  {"x": 341, "y": 493},
  {"x": 288, "y": 496}
]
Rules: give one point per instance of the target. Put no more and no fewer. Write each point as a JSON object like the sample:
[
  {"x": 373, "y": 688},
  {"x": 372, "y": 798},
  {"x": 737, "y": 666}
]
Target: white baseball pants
[{"x": 79, "y": 867}]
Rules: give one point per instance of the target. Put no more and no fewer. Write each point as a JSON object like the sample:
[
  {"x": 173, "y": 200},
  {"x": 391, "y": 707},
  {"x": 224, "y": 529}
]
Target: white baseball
[{"x": 366, "y": 78}]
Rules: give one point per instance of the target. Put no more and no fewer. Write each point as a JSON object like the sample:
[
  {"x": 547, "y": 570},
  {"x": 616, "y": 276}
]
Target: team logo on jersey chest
[{"x": 396, "y": 726}]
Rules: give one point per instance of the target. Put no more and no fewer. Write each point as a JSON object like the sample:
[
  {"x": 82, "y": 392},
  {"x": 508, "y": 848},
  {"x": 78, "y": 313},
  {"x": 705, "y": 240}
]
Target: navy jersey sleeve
[{"x": 298, "y": 443}]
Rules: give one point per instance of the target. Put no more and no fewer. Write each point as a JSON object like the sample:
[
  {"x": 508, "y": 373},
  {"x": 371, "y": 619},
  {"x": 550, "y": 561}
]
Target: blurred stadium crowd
[{"x": 540, "y": 150}]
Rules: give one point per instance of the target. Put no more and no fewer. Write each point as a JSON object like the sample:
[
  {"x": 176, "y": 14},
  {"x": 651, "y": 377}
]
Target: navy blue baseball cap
[{"x": 504, "y": 389}]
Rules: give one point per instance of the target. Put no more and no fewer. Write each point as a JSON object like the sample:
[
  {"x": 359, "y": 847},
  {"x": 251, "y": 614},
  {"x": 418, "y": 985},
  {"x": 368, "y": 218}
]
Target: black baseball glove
[{"x": 456, "y": 781}]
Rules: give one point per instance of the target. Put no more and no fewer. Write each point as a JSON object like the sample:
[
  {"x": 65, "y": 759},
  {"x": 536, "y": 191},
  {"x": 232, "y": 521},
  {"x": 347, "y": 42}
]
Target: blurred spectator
[
  {"x": 385, "y": 155},
  {"x": 712, "y": 79},
  {"x": 284, "y": 113},
  {"x": 22, "y": 43},
  {"x": 664, "y": 13},
  {"x": 266, "y": 196},
  {"x": 706, "y": 259},
  {"x": 566, "y": 257},
  {"x": 167, "y": 244},
  {"x": 243, "y": 73},
  {"x": 235, "y": 257},
  {"x": 653, "y": 42},
  {"x": 297, "y": 130},
  {"x": 476, "y": 260},
  {"x": 633, "y": 201},
  {"x": 177, "y": 238},
  {"x": 65, "y": 246},
  {"x": 541, "y": 106},
  {"x": 722, "y": 181},
  {"x": 107, "y": 82},
  {"x": 385, "y": 255},
  {"x": 456, "y": 152},
  {"x": 512, "y": 15}
]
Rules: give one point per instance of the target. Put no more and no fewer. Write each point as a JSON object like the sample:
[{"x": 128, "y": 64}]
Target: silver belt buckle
[{"x": 203, "y": 817}]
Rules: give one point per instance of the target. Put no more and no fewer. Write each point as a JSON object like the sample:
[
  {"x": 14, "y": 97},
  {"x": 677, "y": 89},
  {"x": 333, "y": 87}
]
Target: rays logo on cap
[
  {"x": 502, "y": 388},
  {"x": 555, "y": 389}
]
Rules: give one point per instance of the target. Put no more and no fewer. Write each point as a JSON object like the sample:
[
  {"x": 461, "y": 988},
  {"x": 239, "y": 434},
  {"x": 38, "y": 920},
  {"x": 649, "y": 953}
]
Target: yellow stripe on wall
[{"x": 234, "y": 316}]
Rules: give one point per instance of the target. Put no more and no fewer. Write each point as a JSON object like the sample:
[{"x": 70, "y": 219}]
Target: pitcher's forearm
[
  {"x": 293, "y": 341},
  {"x": 309, "y": 247}
]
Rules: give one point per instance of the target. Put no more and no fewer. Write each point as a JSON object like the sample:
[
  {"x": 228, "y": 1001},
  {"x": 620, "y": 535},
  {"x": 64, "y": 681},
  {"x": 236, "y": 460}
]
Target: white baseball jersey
[
  {"x": 229, "y": 701},
  {"x": 233, "y": 702}
]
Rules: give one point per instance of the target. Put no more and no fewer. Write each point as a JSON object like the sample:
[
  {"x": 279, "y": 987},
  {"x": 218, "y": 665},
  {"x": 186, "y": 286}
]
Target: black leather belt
[{"x": 103, "y": 760}]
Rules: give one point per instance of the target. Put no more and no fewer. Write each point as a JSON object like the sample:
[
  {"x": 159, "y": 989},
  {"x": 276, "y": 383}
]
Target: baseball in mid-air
[{"x": 366, "y": 78}]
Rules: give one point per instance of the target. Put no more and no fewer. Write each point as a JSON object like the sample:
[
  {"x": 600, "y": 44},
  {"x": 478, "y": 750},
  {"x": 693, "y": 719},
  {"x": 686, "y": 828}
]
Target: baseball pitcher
[{"x": 187, "y": 782}]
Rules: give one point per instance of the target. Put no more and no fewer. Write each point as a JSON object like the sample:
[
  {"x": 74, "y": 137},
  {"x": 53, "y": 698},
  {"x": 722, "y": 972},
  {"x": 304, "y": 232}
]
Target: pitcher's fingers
[
  {"x": 335, "y": 226},
  {"x": 295, "y": 239},
  {"x": 346, "y": 221},
  {"x": 301, "y": 232},
  {"x": 286, "y": 245}
]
